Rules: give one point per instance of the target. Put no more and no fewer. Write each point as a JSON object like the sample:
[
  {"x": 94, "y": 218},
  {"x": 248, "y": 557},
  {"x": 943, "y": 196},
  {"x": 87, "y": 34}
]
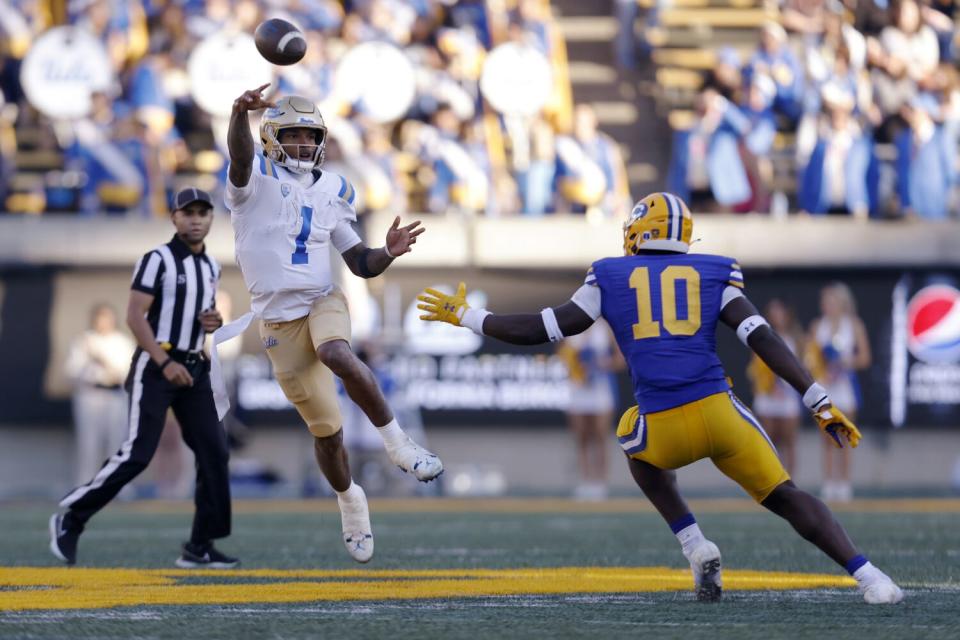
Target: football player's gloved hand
[
  {"x": 442, "y": 307},
  {"x": 836, "y": 425}
]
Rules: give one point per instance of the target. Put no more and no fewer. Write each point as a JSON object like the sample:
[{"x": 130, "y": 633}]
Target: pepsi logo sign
[{"x": 933, "y": 324}]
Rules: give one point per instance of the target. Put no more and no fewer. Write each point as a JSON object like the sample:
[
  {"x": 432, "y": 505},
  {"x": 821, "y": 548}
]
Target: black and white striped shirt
[{"x": 183, "y": 284}]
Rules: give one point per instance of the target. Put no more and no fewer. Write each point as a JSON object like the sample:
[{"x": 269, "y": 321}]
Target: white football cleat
[
  {"x": 705, "y": 565},
  {"x": 412, "y": 458},
  {"x": 357, "y": 532},
  {"x": 882, "y": 591}
]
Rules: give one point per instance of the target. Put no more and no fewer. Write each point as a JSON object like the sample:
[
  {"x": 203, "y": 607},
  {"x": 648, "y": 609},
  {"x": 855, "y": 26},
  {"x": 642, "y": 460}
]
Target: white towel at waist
[{"x": 227, "y": 332}]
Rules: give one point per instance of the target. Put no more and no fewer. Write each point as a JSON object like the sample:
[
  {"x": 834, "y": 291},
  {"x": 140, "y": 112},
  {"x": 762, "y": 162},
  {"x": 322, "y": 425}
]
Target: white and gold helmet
[{"x": 292, "y": 112}]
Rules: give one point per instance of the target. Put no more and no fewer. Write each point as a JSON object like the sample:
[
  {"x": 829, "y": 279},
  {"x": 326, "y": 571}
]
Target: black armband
[{"x": 362, "y": 265}]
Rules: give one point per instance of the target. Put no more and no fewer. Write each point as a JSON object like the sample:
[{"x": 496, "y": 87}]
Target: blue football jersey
[{"x": 663, "y": 309}]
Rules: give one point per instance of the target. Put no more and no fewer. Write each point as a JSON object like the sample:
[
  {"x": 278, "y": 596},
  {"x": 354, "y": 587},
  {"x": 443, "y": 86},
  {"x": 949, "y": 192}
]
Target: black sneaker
[
  {"x": 196, "y": 556},
  {"x": 63, "y": 542}
]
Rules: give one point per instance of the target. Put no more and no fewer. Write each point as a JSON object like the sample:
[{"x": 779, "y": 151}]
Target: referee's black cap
[{"x": 188, "y": 196}]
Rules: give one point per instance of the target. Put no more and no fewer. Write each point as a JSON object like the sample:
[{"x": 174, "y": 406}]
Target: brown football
[{"x": 280, "y": 42}]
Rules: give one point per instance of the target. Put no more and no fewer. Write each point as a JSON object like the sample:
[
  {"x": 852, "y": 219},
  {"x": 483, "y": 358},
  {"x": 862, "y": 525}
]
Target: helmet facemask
[{"x": 296, "y": 163}]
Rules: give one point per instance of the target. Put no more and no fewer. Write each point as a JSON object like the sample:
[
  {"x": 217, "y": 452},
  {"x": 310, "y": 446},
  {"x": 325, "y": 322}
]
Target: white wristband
[
  {"x": 750, "y": 325},
  {"x": 551, "y": 325},
  {"x": 815, "y": 397},
  {"x": 473, "y": 319},
  {"x": 387, "y": 251}
]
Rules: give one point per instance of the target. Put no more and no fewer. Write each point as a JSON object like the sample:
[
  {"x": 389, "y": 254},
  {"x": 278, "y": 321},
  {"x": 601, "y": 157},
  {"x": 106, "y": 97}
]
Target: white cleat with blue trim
[
  {"x": 357, "y": 532},
  {"x": 412, "y": 458}
]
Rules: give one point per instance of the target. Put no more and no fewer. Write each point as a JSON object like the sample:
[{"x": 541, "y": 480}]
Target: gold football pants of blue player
[{"x": 719, "y": 427}]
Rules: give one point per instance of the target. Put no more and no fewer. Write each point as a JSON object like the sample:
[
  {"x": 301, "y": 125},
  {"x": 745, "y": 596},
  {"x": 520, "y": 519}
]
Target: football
[{"x": 280, "y": 42}]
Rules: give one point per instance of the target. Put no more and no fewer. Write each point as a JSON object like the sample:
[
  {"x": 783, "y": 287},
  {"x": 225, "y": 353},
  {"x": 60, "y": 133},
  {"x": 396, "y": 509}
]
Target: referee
[{"x": 171, "y": 309}]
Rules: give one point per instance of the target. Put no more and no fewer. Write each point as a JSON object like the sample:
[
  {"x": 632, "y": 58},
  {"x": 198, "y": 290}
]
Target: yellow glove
[
  {"x": 836, "y": 425},
  {"x": 442, "y": 307}
]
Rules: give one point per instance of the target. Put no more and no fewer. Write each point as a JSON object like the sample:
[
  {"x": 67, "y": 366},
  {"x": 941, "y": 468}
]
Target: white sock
[
  {"x": 393, "y": 436},
  {"x": 353, "y": 494},
  {"x": 868, "y": 574},
  {"x": 690, "y": 538}
]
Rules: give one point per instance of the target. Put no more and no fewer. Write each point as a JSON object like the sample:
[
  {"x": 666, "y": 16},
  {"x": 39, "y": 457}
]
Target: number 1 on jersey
[
  {"x": 300, "y": 256},
  {"x": 646, "y": 326}
]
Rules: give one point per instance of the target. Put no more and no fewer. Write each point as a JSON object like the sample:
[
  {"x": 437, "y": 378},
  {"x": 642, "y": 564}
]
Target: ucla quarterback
[
  {"x": 287, "y": 213},
  {"x": 663, "y": 304}
]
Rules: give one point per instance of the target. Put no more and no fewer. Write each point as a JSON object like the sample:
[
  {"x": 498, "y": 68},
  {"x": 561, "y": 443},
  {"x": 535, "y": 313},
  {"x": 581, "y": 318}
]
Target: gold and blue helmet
[
  {"x": 659, "y": 221},
  {"x": 292, "y": 112}
]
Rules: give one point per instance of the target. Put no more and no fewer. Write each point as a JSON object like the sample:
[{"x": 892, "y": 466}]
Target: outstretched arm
[
  {"x": 239, "y": 140},
  {"x": 765, "y": 342},
  {"x": 530, "y": 328},
  {"x": 369, "y": 263},
  {"x": 550, "y": 325},
  {"x": 742, "y": 316}
]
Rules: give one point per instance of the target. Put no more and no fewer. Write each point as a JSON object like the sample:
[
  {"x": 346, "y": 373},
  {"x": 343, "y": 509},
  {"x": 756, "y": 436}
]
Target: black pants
[{"x": 150, "y": 397}]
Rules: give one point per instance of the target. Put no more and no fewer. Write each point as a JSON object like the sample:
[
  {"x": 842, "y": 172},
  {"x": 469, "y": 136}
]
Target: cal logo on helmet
[{"x": 659, "y": 221}]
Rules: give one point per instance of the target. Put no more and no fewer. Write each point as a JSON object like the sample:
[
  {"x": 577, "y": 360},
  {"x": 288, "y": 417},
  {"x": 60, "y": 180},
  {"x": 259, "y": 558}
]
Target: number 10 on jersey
[
  {"x": 646, "y": 326},
  {"x": 300, "y": 256}
]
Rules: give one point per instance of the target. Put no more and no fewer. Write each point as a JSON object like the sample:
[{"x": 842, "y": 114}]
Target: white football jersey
[{"x": 283, "y": 232}]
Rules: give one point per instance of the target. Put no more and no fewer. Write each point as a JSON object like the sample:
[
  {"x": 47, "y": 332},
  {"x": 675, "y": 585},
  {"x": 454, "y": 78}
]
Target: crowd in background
[
  {"x": 866, "y": 94},
  {"x": 860, "y": 99},
  {"x": 450, "y": 150}
]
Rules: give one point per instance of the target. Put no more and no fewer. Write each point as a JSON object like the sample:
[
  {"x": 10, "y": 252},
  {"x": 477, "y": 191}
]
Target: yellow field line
[
  {"x": 539, "y": 506},
  {"x": 32, "y": 588}
]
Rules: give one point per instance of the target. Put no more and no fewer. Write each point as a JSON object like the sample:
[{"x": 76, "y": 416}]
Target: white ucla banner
[
  {"x": 64, "y": 67},
  {"x": 222, "y": 67}
]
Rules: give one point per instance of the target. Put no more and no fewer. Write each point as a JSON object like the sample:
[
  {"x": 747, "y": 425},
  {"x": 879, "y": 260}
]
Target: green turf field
[{"x": 916, "y": 542}]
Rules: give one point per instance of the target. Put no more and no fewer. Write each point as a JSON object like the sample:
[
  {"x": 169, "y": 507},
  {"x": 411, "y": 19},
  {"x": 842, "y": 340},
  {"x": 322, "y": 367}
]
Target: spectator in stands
[
  {"x": 803, "y": 16},
  {"x": 383, "y": 182},
  {"x": 926, "y": 161},
  {"x": 776, "y": 403},
  {"x": 121, "y": 26},
  {"x": 940, "y": 15},
  {"x": 324, "y": 16},
  {"x": 446, "y": 82},
  {"x": 835, "y": 177},
  {"x": 837, "y": 348},
  {"x": 758, "y": 131},
  {"x": 97, "y": 364},
  {"x": 533, "y": 162},
  {"x": 775, "y": 58},
  {"x": 906, "y": 53},
  {"x": 725, "y": 76},
  {"x": 832, "y": 62},
  {"x": 870, "y": 17},
  {"x": 473, "y": 14},
  {"x": 460, "y": 181},
  {"x": 706, "y": 169},
  {"x": 168, "y": 31},
  {"x": 590, "y": 169},
  {"x": 822, "y": 54},
  {"x": 532, "y": 18},
  {"x": 106, "y": 151}
]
